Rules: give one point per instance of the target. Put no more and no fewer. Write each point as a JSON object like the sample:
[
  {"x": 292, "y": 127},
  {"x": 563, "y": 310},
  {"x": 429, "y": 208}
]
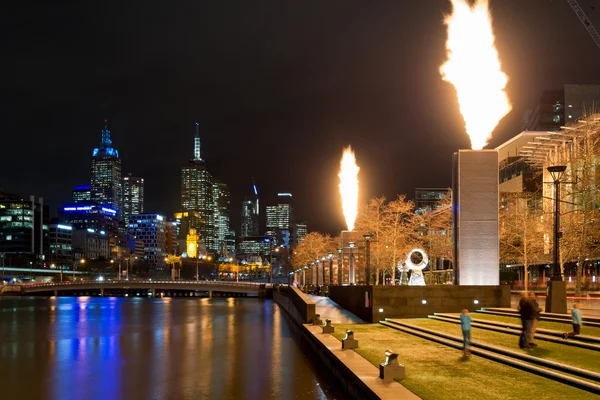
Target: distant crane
[{"x": 585, "y": 21}]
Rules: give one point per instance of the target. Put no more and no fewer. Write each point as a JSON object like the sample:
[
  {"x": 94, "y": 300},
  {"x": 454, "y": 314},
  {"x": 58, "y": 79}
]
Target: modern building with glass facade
[
  {"x": 133, "y": 196},
  {"x": 106, "y": 185},
  {"x": 428, "y": 199},
  {"x": 224, "y": 236},
  {"x": 151, "y": 229},
  {"x": 60, "y": 249},
  {"x": 280, "y": 218},
  {"x": 300, "y": 230}
]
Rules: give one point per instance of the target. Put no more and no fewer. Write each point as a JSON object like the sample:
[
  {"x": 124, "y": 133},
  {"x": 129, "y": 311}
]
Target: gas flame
[
  {"x": 474, "y": 70},
  {"x": 349, "y": 186}
]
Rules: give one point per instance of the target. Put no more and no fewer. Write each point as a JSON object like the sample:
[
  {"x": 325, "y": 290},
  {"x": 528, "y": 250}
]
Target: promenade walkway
[{"x": 329, "y": 309}]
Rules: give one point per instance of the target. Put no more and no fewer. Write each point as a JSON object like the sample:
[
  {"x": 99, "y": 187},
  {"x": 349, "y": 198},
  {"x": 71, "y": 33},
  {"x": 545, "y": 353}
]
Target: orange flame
[
  {"x": 349, "y": 186},
  {"x": 474, "y": 69}
]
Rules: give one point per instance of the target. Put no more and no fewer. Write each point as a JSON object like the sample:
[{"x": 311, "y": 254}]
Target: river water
[{"x": 163, "y": 348}]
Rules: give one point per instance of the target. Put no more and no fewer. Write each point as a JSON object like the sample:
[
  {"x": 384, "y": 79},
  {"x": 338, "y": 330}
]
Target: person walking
[
  {"x": 537, "y": 312},
  {"x": 465, "y": 325},
  {"x": 576, "y": 317},
  {"x": 526, "y": 312}
]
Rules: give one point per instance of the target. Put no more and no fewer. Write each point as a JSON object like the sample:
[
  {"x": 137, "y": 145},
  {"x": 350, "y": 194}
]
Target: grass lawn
[
  {"x": 558, "y": 326},
  {"x": 434, "y": 371},
  {"x": 573, "y": 356}
]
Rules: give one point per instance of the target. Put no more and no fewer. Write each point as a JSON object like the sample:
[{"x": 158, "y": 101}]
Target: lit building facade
[
  {"x": 428, "y": 199},
  {"x": 250, "y": 215},
  {"x": 60, "y": 249},
  {"x": 224, "y": 236},
  {"x": 133, "y": 196},
  {"x": 254, "y": 246},
  {"x": 197, "y": 196},
  {"x": 81, "y": 193},
  {"x": 91, "y": 244},
  {"x": 300, "y": 230},
  {"x": 90, "y": 215},
  {"x": 280, "y": 218},
  {"x": 23, "y": 225},
  {"x": 152, "y": 231},
  {"x": 106, "y": 186}
]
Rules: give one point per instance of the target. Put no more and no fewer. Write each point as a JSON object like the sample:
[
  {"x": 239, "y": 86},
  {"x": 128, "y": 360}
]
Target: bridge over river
[{"x": 153, "y": 288}]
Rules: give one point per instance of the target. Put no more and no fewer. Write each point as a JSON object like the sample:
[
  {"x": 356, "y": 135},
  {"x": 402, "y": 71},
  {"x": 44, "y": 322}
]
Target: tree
[
  {"x": 371, "y": 220},
  {"x": 401, "y": 225},
  {"x": 313, "y": 246},
  {"x": 521, "y": 232},
  {"x": 435, "y": 229}
]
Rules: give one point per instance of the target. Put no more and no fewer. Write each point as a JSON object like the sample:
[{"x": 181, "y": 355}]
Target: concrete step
[
  {"x": 545, "y": 316},
  {"x": 549, "y": 332},
  {"x": 517, "y": 332},
  {"x": 501, "y": 356}
]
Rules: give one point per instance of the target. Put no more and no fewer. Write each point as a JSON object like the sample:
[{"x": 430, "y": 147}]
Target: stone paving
[
  {"x": 329, "y": 309},
  {"x": 363, "y": 369}
]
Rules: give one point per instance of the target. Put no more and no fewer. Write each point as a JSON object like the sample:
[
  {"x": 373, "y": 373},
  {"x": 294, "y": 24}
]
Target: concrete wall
[
  {"x": 298, "y": 305},
  {"x": 407, "y": 301},
  {"x": 352, "y": 298}
]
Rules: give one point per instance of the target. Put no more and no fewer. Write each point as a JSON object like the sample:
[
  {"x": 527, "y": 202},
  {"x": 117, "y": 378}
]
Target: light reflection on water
[{"x": 128, "y": 348}]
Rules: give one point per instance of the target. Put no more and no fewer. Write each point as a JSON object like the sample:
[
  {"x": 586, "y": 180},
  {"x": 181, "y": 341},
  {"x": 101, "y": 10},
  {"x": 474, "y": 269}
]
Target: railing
[{"x": 149, "y": 283}]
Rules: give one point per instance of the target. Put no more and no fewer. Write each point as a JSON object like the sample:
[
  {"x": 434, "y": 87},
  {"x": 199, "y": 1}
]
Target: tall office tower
[
  {"x": 151, "y": 229},
  {"x": 81, "y": 193},
  {"x": 300, "y": 230},
  {"x": 106, "y": 184},
  {"x": 280, "y": 217},
  {"x": 197, "y": 196},
  {"x": 133, "y": 197},
  {"x": 250, "y": 215},
  {"x": 221, "y": 217}
]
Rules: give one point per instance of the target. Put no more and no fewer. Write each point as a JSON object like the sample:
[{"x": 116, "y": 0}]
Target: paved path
[
  {"x": 589, "y": 307},
  {"x": 329, "y": 309},
  {"x": 363, "y": 369}
]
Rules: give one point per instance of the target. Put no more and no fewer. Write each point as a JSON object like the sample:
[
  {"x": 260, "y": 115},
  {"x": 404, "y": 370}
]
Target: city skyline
[{"x": 279, "y": 113}]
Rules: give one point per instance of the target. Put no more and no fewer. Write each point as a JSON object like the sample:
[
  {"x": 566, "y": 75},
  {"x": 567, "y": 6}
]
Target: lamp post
[
  {"x": 339, "y": 269},
  {"x": 368, "y": 238},
  {"x": 82, "y": 261},
  {"x": 330, "y": 256},
  {"x": 351, "y": 276},
  {"x": 556, "y": 301}
]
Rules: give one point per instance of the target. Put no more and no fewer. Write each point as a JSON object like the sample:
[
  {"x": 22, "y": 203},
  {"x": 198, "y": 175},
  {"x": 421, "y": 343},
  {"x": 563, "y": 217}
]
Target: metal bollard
[
  {"x": 349, "y": 342},
  {"x": 391, "y": 369},
  {"x": 328, "y": 328}
]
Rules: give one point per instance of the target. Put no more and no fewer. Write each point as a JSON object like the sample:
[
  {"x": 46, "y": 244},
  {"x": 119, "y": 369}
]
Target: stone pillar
[
  {"x": 153, "y": 292},
  {"x": 210, "y": 293},
  {"x": 102, "y": 292},
  {"x": 55, "y": 292}
]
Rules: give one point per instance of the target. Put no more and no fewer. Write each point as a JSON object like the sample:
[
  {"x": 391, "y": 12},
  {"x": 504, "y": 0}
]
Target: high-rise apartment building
[
  {"x": 106, "y": 187},
  {"x": 197, "y": 196},
  {"x": 23, "y": 225},
  {"x": 81, "y": 193},
  {"x": 133, "y": 196},
  {"x": 151, "y": 229},
  {"x": 300, "y": 230}
]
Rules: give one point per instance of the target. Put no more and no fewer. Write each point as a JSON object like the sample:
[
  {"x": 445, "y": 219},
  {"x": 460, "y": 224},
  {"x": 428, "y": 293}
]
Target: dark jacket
[
  {"x": 526, "y": 309},
  {"x": 536, "y": 309}
]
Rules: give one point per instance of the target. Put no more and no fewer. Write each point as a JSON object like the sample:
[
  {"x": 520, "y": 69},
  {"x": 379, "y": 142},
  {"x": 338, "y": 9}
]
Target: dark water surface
[{"x": 133, "y": 348}]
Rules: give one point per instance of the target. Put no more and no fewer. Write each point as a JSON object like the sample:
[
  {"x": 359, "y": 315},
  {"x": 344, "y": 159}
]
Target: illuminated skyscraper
[
  {"x": 250, "y": 215},
  {"x": 197, "y": 195},
  {"x": 152, "y": 231},
  {"x": 133, "y": 197},
  {"x": 280, "y": 218},
  {"x": 224, "y": 237},
  {"x": 105, "y": 185},
  {"x": 81, "y": 193}
]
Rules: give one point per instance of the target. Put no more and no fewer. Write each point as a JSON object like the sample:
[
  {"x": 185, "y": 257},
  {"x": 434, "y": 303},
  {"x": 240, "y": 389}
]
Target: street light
[
  {"x": 556, "y": 301},
  {"x": 82, "y": 261},
  {"x": 368, "y": 238},
  {"x": 330, "y": 256}
]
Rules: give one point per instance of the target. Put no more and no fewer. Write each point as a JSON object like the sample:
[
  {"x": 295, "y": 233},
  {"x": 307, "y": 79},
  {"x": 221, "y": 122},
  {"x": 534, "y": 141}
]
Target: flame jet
[
  {"x": 474, "y": 69},
  {"x": 349, "y": 186}
]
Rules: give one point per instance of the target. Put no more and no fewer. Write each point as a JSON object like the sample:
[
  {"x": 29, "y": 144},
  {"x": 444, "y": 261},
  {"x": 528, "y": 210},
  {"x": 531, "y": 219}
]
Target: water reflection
[{"x": 116, "y": 348}]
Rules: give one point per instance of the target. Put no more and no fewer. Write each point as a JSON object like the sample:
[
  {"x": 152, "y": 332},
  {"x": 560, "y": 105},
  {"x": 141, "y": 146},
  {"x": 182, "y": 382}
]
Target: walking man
[{"x": 526, "y": 311}]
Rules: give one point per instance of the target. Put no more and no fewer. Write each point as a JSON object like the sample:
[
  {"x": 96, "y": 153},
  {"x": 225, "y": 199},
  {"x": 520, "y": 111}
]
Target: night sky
[{"x": 278, "y": 87}]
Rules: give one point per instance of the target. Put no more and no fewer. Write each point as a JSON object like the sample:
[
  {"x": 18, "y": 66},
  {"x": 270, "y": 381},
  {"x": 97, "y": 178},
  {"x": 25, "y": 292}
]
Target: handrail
[{"x": 143, "y": 282}]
